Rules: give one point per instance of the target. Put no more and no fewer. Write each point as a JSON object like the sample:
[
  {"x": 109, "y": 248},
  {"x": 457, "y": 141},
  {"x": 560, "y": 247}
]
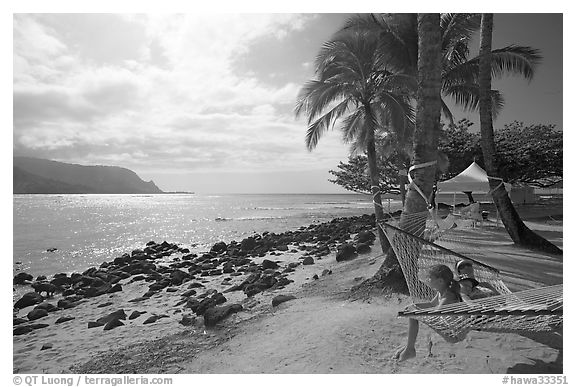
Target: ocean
[{"x": 87, "y": 230}]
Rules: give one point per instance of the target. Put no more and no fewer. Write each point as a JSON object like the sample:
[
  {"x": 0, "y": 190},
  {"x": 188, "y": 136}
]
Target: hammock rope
[{"x": 420, "y": 242}]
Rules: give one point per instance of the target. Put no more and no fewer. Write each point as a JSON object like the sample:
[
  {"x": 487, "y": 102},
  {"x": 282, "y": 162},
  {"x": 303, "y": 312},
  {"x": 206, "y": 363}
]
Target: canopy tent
[{"x": 473, "y": 179}]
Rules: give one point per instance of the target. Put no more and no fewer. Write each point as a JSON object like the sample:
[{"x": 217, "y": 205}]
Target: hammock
[{"x": 530, "y": 313}]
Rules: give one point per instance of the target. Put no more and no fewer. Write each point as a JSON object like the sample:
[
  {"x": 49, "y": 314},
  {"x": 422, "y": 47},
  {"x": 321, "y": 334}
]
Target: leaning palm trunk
[
  {"x": 515, "y": 227},
  {"x": 427, "y": 131},
  {"x": 375, "y": 182}
]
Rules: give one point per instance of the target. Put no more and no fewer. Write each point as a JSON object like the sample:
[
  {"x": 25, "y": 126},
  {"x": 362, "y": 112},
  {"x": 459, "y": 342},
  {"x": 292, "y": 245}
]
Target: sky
[{"x": 204, "y": 102}]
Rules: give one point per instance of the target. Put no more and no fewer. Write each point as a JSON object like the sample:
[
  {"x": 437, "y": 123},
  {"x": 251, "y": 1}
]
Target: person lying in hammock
[
  {"x": 441, "y": 279},
  {"x": 470, "y": 287}
]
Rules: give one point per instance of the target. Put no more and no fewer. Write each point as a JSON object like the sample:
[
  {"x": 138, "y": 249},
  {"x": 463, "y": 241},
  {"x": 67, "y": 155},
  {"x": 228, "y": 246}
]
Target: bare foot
[{"x": 404, "y": 353}]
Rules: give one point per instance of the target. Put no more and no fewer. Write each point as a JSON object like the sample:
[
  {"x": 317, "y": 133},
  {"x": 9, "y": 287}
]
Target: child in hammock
[
  {"x": 470, "y": 287},
  {"x": 441, "y": 279}
]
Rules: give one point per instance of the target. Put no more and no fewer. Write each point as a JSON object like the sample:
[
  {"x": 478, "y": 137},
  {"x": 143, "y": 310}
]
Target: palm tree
[
  {"x": 460, "y": 80},
  {"x": 353, "y": 87},
  {"x": 398, "y": 37},
  {"x": 428, "y": 107},
  {"x": 516, "y": 228}
]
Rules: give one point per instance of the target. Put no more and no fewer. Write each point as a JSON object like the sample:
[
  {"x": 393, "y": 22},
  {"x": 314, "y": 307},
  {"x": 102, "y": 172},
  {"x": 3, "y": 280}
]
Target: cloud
[{"x": 180, "y": 106}]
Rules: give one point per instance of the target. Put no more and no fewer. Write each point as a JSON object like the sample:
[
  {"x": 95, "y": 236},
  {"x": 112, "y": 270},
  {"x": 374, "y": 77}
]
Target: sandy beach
[{"x": 325, "y": 329}]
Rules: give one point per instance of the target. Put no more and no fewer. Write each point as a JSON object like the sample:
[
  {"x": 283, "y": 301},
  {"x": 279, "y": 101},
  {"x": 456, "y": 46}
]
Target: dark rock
[
  {"x": 41, "y": 278},
  {"x": 187, "y": 320},
  {"x": 267, "y": 264},
  {"x": 363, "y": 248},
  {"x": 282, "y": 298},
  {"x": 28, "y": 299},
  {"x": 189, "y": 293},
  {"x": 105, "y": 304},
  {"x": 315, "y": 276},
  {"x": 365, "y": 236},
  {"x": 252, "y": 289},
  {"x": 153, "y": 319},
  {"x": 22, "y": 330},
  {"x": 46, "y": 306},
  {"x": 308, "y": 261},
  {"x": 64, "y": 319},
  {"x": 119, "y": 314},
  {"x": 47, "y": 346},
  {"x": 282, "y": 281},
  {"x": 95, "y": 324},
  {"x": 67, "y": 303},
  {"x": 36, "y": 313},
  {"x": 219, "y": 247},
  {"x": 38, "y": 326},
  {"x": 134, "y": 315},
  {"x": 18, "y": 321},
  {"x": 218, "y": 313},
  {"x": 326, "y": 272},
  {"x": 114, "y": 323},
  {"x": 22, "y": 278},
  {"x": 93, "y": 291},
  {"x": 47, "y": 287},
  {"x": 114, "y": 289},
  {"x": 178, "y": 276},
  {"x": 61, "y": 281},
  {"x": 345, "y": 252},
  {"x": 248, "y": 244}
]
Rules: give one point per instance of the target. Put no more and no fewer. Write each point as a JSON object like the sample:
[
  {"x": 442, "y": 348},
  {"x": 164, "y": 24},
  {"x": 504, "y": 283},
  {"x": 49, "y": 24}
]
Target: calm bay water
[{"x": 87, "y": 230}]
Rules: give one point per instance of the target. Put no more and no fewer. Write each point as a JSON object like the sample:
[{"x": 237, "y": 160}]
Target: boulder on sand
[
  {"x": 113, "y": 324},
  {"x": 365, "y": 236},
  {"x": 119, "y": 315},
  {"x": 218, "y": 313},
  {"x": 37, "y": 313},
  {"x": 22, "y": 278},
  {"x": 345, "y": 252},
  {"x": 28, "y": 299},
  {"x": 268, "y": 264},
  {"x": 308, "y": 261},
  {"x": 363, "y": 248}
]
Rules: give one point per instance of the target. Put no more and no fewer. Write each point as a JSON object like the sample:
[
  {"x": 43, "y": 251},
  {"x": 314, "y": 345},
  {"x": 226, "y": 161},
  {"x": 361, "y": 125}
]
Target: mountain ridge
[{"x": 35, "y": 175}]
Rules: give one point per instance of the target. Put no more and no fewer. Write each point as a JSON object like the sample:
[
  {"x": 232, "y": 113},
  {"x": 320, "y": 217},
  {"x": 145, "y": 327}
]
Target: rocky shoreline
[{"x": 210, "y": 285}]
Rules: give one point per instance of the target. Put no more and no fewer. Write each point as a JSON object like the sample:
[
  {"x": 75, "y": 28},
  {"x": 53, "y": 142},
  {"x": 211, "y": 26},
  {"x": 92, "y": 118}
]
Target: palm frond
[
  {"x": 468, "y": 97},
  {"x": 498, "y": 102},
  {"x": 315, "y": 96},
  {"x": 446, "y": 111},
  {"x": 515, "y": 60},
  {"x": 325, "y": 122},
  {"x": 396, "y": 35},
  {"x": 399, "y": 83},
  {"x": 458, "y": 27},
  {"x": 352, "y": 126}
]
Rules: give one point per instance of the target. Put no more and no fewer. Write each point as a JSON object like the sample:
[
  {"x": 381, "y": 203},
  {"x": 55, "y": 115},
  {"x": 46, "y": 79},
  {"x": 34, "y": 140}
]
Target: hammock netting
[{"x": 424, "y": 239}]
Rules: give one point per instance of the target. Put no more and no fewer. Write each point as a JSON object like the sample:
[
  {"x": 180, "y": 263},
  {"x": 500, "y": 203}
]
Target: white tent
[{"x": 473, "y": 179}]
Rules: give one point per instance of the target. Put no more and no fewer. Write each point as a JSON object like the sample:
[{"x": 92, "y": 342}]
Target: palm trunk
[
  {"x": 428, "y": 105},
  {"x": 375, "y": 182},
  {"x": 515, "y": 227},
  {"x": 426, "y": 133}
]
